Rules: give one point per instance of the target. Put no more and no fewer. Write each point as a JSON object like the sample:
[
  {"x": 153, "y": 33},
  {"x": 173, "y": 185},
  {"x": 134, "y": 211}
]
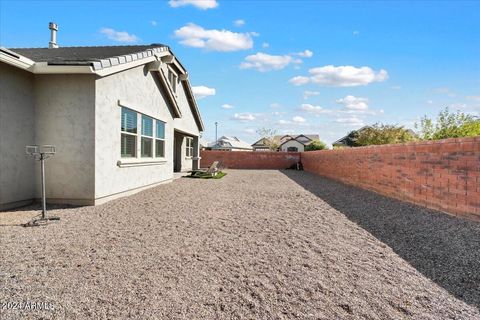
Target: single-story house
[
  {"x": 287, "y": 143},
  {"x": 122, "y": 119},
  {"x": 227, "y": 143}
]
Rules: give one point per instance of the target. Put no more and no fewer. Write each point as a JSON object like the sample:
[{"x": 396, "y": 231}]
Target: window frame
[
  {"x": 189, "y": 147},
  {"x": 127, "y": 133},
  {"x": 159, "y": 139},
  {"x": 146, "y": 137},
  {"x": 172, "y": 79}
]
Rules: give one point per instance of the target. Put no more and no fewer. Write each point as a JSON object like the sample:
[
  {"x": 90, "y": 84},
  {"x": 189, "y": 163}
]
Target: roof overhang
[
  {"x": 14, "y": 59},
  {"x": 104, "y": 67}
]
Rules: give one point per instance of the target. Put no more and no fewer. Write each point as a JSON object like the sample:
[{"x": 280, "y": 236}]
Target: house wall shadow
[{"x": 444, "y": 248}]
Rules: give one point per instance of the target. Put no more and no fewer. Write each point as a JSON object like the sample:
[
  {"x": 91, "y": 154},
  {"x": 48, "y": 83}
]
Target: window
[
  {"x": 129, "y": 134},
  {"x": 147, "y": 137},
  {"x": 172, "y": 78},
  {"x": 189, "y": 151},
  {"x": 159, "y": 139},
  {"x": 292, "y": 149}
]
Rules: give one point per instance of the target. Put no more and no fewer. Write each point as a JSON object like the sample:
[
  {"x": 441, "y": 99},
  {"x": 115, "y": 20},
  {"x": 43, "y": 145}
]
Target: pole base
[{"x": 40, "y": 222}]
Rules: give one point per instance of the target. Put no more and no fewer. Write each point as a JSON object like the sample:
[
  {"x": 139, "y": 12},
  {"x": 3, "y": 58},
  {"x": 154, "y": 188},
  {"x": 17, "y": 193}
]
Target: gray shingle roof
[{"x": 81, "y": 55}]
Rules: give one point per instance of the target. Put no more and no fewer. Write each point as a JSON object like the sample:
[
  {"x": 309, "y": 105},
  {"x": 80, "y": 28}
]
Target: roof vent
[{"x": 53, "y": 35}]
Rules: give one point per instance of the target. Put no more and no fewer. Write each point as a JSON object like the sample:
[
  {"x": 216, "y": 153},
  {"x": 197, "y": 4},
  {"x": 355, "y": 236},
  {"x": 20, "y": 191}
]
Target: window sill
[{"x": 140, "y": 163}]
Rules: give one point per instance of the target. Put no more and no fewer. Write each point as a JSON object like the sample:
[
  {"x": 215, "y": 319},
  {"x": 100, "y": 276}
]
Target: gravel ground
[{"x": 253, "y": 245}]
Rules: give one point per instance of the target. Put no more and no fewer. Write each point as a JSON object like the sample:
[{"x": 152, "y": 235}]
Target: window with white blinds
[
  {"x": 160, "y": 139},
  {"x": 150, "y": 135},
  {"x": 129, "y": 134},
  {"x": 147, "y": 137}
]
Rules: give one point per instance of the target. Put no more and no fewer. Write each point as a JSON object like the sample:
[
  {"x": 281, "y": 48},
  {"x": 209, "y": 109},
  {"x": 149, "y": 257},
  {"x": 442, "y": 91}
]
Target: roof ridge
[{"x": 74, "y": 47}]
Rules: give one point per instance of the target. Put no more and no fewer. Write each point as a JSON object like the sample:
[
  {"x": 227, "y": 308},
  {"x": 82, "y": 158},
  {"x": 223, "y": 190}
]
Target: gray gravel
[{"x": 253, "y": 245}]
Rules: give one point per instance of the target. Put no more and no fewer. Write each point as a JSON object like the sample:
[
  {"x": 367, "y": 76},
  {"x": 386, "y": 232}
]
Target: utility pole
[{"x": 216, "y": 126}]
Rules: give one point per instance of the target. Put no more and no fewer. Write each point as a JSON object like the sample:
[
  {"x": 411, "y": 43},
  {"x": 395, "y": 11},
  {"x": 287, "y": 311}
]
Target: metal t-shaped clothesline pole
[{"x": 41, "y": 154}]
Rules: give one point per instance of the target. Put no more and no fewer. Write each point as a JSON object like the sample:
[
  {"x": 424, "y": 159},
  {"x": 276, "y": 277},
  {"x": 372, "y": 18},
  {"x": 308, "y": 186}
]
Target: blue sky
[{"x": 312, "y": 67}]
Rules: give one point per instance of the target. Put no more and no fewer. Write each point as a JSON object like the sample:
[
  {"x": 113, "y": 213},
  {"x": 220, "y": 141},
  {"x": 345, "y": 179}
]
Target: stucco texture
[
  {"x": 293, "y": 143},
  {"x": 17, "y": 178},
  {"x": 139, "y": 90},
  {"x": 65, "y": 117}
]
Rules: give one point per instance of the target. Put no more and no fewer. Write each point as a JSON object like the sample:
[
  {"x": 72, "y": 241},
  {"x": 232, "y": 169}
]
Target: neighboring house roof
[
  {"x": 304, "y": 139},
  {"x": 302, "y": 143},
  {"x": 102, "y": 61},
  {"x": 226, "y": 142},
  {"x": 344, "y": 141}
]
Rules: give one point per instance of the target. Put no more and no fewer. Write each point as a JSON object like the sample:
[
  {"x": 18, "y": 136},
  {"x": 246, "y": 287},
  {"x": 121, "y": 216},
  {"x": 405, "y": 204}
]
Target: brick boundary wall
[
  {"x": 442, "y": 175},
  {"x": 250, "y": 159}
]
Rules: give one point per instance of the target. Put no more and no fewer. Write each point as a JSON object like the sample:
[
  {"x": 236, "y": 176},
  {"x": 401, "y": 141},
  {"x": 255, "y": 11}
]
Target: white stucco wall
[
  {"x": 65, "y": 117},
  {"x": 140, "y": 91},
  {"x": 80, "y": 115},
  {"x": 17, "y": 175},
  {"x": 293, "y": 143}
]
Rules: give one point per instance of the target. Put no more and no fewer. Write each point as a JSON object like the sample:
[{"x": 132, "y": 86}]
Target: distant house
[
  {"x": 227, "y": 143},
  {"x": 350, "y": 139},
  {"x": 122, "y": 118},
  {"x": 287, "y": 143}
]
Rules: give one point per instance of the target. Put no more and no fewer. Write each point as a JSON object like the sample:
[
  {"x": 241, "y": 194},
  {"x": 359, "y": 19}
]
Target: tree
[
  {"x": 383, "y": 134},
  {"x": 316, "y": 145},
  {"x": 268, "y": 136},
  {"x": 448, "y": 125}
]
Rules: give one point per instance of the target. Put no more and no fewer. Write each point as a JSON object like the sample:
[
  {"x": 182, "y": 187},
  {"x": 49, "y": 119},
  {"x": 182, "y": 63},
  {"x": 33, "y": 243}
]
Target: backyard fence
[
  {"x": 443, "y": 174},
  {"x": 250, "y": 160}
]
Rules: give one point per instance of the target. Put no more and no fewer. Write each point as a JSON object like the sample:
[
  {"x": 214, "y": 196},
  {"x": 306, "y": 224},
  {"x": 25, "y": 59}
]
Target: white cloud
[
  {"x": 119, "y": 36},
  {"x": 249, "y": 131},
  {"x": 283, "y": 122},
  {"x": 153, "y": 23},
  {"x": 201, "y": 92},
  {"x": 200, "y": 4},
  {"x": 351, "y": 121},
  {"x": 429, "y": 101},
  {"x": 265, "y": 62},
  {"x": 396, "y": 87},
  {"x": 309, "y": 108},
  {"x": 305, "y": 54},
  {"x": 341, "y": 76},
  {"x": 307, "y": 94},
  {"x": 227, "y": 106},
  {"x": 239, "y": 22},
  {"x": 195, "y": 36},
  {"x": 265, "y": 45},
  {"x": 356, "y": 33},
  {"x": 474, "y": 98},
  {"x": 298, "y": 119},
  {"x": 275, "y": 105},
  {"x": 243, "y": 116},
  {"x": 445, "y": 90},
  {"x": 354, "y": 103},
  {"x": 299, "y": 80}
]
